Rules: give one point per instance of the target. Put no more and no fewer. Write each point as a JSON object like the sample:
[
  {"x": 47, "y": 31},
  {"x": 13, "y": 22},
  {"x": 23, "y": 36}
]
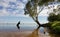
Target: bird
[{"x": 18, "y": 25}]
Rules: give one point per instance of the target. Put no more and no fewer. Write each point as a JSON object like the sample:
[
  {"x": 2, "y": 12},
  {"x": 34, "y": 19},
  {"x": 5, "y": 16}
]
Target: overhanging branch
[{"x": 40, "y": 10}]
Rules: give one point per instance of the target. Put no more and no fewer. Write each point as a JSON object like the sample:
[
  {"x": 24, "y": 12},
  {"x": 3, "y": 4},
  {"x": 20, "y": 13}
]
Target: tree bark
[{"x": 38, "y": 22}]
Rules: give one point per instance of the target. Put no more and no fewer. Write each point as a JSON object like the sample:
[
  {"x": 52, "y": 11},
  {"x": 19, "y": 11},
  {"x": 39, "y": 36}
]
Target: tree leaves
[
  {"x": 31, "y": 7},
  {"x": 45, "y": 2}
]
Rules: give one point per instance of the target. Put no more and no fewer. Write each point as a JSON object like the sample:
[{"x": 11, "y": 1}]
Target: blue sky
[{"x": 13, "y": 11}]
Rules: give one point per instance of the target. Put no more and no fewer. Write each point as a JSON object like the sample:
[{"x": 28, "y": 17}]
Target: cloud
[
  {"x": 44, "y": 13},
  {"x": 16, "y": 8},
  {"x": 23, "y": 1},
  {"x": 12, "y": 7},
  {"x": 3, "y": 13}
]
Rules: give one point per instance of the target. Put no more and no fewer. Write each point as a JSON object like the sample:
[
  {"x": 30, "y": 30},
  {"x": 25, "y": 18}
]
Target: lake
[{"x": 26, "y": 30}]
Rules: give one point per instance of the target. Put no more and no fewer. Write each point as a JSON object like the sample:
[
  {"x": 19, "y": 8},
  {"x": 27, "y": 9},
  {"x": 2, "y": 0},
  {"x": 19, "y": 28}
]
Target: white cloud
[
  {"x": 44, "y": 22},
  {"x": 20, "y": 15},
  {"x": 44, "y": 13},
  {"x": 9, "y": 0},
  {"x": 19, "y": 6},
  {"x": 3, "y": 13}
]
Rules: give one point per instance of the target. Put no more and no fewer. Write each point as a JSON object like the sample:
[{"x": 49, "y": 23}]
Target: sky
[{"x": 12, "y": 11}]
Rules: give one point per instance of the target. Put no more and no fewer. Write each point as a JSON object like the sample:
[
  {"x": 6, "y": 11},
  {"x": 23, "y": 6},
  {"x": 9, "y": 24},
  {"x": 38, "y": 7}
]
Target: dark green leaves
[
  {"x": 42, "y": 2},
  {"x": 52, "y": 17}
]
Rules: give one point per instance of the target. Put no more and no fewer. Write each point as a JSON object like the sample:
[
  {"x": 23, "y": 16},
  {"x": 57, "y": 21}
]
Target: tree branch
[
  {"x": 33, "y": 18},
  {"x": 40, "y": 10}
]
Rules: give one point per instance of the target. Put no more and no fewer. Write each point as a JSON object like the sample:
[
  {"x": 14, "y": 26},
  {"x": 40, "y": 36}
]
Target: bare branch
[{"x": 40, "y": 10}]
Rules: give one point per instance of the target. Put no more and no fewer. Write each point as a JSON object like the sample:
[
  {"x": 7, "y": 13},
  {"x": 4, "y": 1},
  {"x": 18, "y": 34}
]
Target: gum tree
[
  {"x": 55, "y": 15},
  {"x": 31, "y": 8}
]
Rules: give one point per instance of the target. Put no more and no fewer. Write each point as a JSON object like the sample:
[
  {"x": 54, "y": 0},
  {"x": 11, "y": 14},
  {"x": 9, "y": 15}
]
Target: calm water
[{"x": 11, "y": 27}]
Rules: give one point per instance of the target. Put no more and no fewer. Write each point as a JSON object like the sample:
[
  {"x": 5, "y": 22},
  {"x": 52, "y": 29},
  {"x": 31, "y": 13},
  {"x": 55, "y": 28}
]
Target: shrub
[
  {"x": 56, "y": 23},
  {"x": 56, "y": 26},
  {"x": 57, "y": 29}
]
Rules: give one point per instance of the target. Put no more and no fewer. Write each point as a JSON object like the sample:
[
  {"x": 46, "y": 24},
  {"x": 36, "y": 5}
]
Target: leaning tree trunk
[
  {"x": 38, "y": 22},
  {"x": 36, "y": 13}
]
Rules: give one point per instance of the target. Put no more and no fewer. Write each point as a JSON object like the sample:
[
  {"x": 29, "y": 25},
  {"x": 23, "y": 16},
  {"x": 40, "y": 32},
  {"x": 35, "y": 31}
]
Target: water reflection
[
  {"x": 51, "y": 34},
  {"x": 42, "y": 30},
  {"x": 39, "y": 32},
  {"x": 18, "y": 27},
  {"x": 34, "y": 33}
]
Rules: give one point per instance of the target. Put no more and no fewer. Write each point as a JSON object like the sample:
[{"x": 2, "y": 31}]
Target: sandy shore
[
  {"x": 37, "y": 32},
  {"x": 34, "y": 33},
  {"x": 15, "y": 34}
]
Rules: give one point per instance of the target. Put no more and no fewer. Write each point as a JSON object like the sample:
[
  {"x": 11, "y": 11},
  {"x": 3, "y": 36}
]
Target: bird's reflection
[
  {"x": 18, "y": 27},
  {"x": 34, "y": 33}
]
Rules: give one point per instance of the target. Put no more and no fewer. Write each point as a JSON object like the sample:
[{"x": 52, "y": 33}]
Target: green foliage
[
  {"x": 59, "y": 0},
  {"x": 31, "y": 9},
  {"x": 45, "y": 2},
  {"x": 58, "y": 17},
  {"x": 56, "y": 23},
  {"x": 52, "y": 17},
  {"x": 31, "y": 6},
  {"x": 28, "y": 9},
  {"x": 56, "y": 26},
  {"x": 49, "y": 24},
  {"x": 57, "y": 29}
]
